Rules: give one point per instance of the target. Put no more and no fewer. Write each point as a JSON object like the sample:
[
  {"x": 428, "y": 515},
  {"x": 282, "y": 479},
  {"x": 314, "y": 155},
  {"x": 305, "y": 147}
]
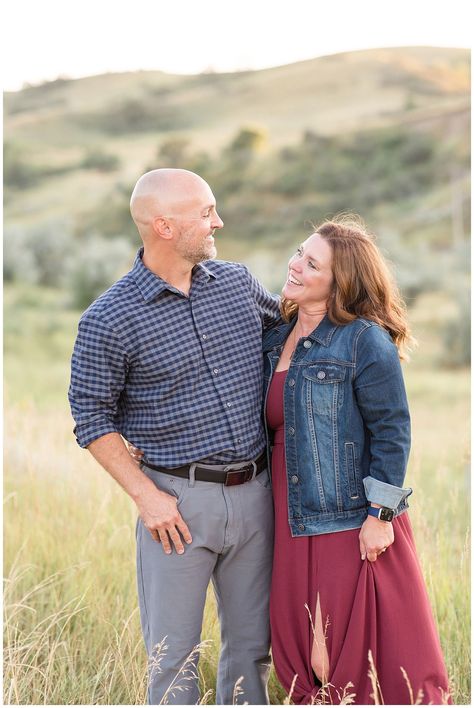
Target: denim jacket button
[
  {"x": 294, "y": 479},
  {"x": 307, "y": 344},
  {"x": 291, "y": 431},
  {"x": 291, "y": 382},
  {"x": 301, "y": 527},
  {"x": 321, "y": 374}
]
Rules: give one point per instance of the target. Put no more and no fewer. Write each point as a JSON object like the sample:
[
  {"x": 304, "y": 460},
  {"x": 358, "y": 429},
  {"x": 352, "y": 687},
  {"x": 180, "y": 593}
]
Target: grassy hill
[
  {"x": 52, "y": 127},
  {"x": 384, "y": 133}
]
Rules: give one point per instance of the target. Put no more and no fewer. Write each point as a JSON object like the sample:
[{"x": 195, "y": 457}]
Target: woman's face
[{"x": 310, "y": 278}]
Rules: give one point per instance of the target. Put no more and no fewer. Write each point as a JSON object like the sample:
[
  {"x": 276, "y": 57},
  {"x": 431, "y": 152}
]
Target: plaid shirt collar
[{"x": 151, "y": 285}]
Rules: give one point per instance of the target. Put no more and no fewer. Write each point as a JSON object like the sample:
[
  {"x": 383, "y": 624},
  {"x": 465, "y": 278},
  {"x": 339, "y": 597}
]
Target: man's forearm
[
  {"x": 111, "y": 452},
  {"x": 158, "y": 510}
]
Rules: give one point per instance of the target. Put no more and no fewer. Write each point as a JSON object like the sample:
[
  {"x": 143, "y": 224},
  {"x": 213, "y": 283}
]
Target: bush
[
  {"x": 133, "y": 116},
  {"x": 457, "y": 334},
  {"x": 109, "y": 216},
  {"x": 173, "y": 152},
  {"x": 50, "y": 256},
  {"x": 18, "y": 173},
  {"x": 37, "y": 255},
  {"x": 97, "y": 263},
  {"x": 19, "y": 263},
  {"x": 101, "y": 161}
]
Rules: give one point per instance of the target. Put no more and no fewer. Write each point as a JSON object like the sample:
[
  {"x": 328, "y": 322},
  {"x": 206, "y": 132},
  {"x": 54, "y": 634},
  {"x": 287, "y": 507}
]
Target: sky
[{"x": 44, "y": 39}]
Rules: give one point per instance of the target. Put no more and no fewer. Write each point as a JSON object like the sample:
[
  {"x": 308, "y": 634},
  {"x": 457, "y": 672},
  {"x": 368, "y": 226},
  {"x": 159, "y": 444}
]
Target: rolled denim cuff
[{"x": 385, "y": 494}]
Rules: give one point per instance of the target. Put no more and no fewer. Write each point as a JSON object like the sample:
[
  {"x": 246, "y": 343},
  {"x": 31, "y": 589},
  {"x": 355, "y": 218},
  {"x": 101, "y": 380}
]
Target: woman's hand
[
  {"x": 134, "y": 452},
  {"x": 374, "y": 538}
]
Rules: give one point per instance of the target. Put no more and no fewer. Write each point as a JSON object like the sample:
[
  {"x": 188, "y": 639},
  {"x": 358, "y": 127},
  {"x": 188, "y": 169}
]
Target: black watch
[{"x": 384, "y": 513}]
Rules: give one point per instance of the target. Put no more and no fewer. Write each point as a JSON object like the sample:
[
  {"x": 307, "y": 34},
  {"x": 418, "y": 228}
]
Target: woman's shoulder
[
  {"x": 362, "y": 325},
  {"x": 373, "y": 340},
  {"x": 363, "y": 335},
  {"x": 352, "y": 330}
]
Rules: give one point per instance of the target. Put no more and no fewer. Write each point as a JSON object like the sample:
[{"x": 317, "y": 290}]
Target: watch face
[{"x": 386, "y": 514}]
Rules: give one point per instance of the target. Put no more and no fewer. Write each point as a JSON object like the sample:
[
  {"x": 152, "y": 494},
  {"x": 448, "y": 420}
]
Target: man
[{"x": 170, "y": 359}]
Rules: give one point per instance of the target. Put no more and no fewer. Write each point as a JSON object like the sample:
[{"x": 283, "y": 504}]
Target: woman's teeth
[{"x": 293, "y": 280}]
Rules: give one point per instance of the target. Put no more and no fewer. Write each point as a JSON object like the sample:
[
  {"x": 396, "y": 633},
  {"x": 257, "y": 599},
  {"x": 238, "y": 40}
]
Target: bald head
[{"x": 164, "y": 192}]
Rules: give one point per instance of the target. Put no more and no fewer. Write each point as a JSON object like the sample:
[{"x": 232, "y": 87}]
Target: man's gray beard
[{"x": 195, "y": 257}]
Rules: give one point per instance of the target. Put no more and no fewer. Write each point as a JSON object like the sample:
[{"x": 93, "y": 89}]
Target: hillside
[{"x": 53, "y": 127}]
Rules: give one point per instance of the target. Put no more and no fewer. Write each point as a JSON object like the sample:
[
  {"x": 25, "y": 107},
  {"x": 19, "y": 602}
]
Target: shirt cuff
[
  {"x": 86, "y": 437},
  {"x": 385, "y": 494}
]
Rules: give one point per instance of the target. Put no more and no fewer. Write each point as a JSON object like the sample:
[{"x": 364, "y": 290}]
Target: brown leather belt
[{"x": 229, "y": 475}]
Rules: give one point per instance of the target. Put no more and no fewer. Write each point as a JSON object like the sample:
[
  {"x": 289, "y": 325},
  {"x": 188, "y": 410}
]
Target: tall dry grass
[{"x": 72, "y": 632}]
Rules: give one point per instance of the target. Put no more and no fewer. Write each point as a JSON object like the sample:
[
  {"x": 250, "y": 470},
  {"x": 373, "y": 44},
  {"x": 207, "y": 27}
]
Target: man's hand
[
  {"x": 158, "y": 510},
  {"x": 159, "y": 513},
  {"x": 374, "y": 538}
]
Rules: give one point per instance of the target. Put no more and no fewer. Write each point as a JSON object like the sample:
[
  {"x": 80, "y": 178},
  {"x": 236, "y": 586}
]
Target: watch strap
[{"x": 383, "y": 514}]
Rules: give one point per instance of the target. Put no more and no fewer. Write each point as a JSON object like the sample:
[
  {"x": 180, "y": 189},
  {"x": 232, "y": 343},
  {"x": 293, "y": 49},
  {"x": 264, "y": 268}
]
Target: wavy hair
[{"x": 363, "y": 284}]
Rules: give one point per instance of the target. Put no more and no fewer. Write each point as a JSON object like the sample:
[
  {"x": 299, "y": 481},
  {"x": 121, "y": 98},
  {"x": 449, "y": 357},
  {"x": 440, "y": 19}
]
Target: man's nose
[{"x": 217, "y": 222}]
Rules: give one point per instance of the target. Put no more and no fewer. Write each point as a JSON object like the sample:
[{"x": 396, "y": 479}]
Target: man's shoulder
[
  {"x": 217, "y": 267},
  {"x": 119, "y": 297}
]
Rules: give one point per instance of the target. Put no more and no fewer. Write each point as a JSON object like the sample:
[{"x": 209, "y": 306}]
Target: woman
[{"x": 349, "y": 609}]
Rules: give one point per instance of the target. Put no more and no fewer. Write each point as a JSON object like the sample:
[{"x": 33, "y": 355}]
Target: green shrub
[
  {"x": 97, "y": 263},
  {"x": 99, "y": 160},
  {"x": 133, "y": 116},
  {"x": 457, "y": 334},
  {"x": 37, "y": 255},
  {"x": 18, "y": 173}
]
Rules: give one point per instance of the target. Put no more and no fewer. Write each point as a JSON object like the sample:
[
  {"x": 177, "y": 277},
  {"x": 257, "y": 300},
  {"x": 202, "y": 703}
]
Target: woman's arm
[{"x": 381, "y": 398}]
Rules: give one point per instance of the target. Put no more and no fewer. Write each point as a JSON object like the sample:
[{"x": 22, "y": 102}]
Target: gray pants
[{"x": 232, "y": 530}]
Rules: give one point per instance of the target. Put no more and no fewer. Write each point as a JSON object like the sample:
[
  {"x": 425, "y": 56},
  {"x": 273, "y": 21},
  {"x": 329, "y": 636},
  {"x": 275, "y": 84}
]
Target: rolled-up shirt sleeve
[{"x": 98, "y": 374}]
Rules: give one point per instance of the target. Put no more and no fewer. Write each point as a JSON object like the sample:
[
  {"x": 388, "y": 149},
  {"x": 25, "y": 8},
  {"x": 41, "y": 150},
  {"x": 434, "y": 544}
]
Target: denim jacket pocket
[{"x": 325, "y": 380}]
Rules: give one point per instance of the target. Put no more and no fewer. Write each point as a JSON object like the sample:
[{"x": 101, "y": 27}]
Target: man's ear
[{"x": 162, "y": 227}]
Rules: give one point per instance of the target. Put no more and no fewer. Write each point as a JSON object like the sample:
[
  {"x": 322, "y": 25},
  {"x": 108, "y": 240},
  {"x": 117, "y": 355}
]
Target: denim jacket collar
[{"x": 322, "y": 334}]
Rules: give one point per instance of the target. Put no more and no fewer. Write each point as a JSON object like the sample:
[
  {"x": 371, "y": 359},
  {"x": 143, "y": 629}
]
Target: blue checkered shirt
[{"x": 179, "y": 377}]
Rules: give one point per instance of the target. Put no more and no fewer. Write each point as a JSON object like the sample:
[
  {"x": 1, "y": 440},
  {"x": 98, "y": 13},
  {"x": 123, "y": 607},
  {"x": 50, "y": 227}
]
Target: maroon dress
[{"x": 382, "y": 607}]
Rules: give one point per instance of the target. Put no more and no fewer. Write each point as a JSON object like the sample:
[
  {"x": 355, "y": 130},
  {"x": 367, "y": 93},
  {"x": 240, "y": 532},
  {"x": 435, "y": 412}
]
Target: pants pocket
[{"x": 263, "y": 480}]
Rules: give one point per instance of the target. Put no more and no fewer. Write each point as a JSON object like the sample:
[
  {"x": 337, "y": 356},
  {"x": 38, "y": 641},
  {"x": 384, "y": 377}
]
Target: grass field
[{"x": 71, "y": 627}]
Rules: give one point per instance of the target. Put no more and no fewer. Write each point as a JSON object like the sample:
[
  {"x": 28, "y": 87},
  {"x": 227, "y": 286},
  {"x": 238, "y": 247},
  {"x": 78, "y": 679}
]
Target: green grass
[{"x": 72, "y": 631}]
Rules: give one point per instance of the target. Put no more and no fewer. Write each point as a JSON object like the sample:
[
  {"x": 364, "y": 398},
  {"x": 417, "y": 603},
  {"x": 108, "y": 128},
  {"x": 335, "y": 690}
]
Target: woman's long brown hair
[{"x": 363, "y": 284}]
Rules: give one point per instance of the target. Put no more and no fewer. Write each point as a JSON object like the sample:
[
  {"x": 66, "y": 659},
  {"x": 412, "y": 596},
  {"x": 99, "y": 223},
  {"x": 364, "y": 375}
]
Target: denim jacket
[{"x": 347, "y": 425}]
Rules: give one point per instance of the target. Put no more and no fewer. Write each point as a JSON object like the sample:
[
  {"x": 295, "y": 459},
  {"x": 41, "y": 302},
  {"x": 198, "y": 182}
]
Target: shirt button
[
  {"x": 228, "y": 404},
  {"x": 239, "y": 440},
  {"x": 294, "y": 479},
  {"x": 204, "y": 336},
  {"x": 291, "y": 382},
  {"x": 321, "y": 374},
  {"x": 301, "y": 527},
  {"x": 215, "y": 371},
  {"x": 307, "y": 344},
  {"x": 291, "y": 431}
]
